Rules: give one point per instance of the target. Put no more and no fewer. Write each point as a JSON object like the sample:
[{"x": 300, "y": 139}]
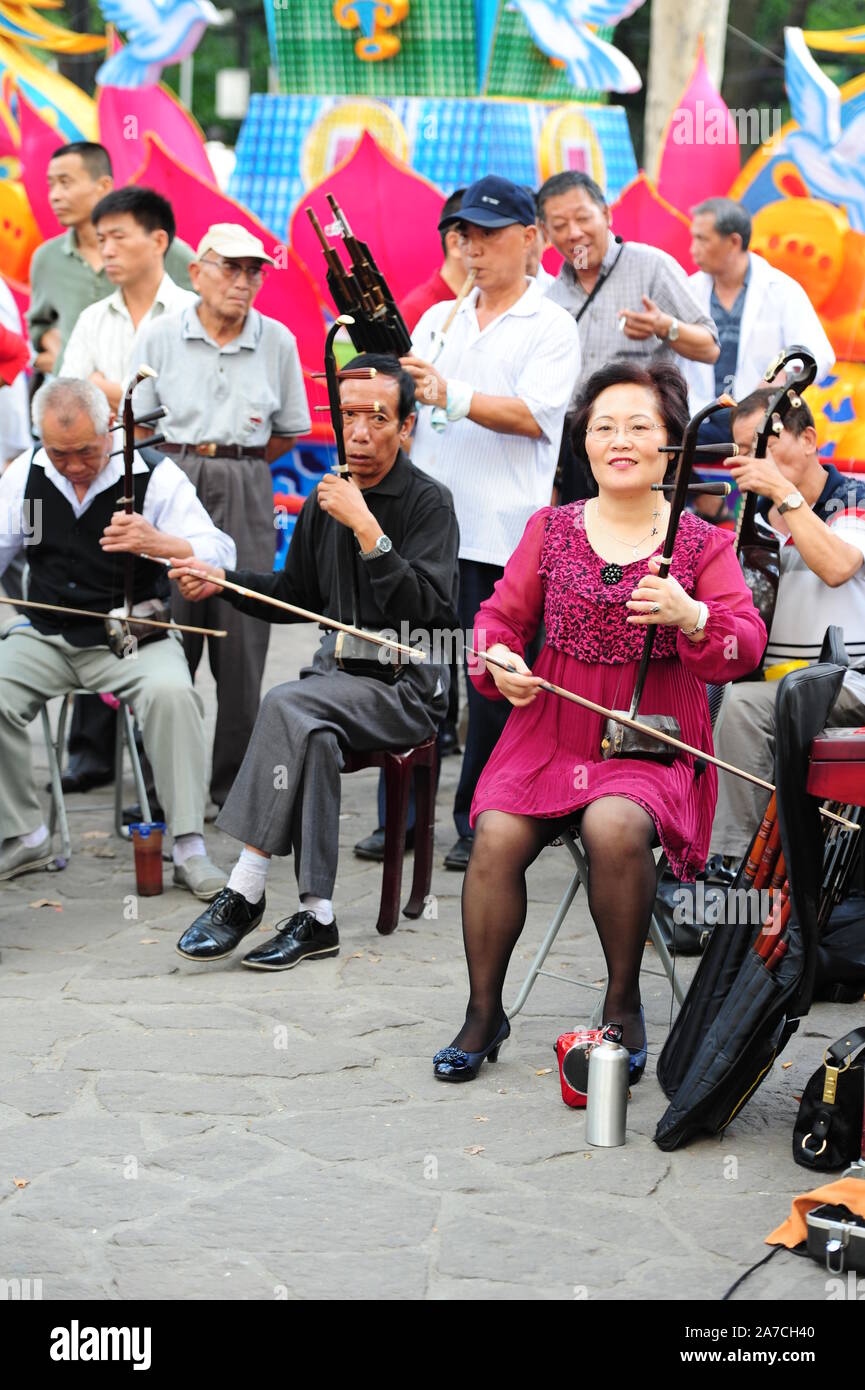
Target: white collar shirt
[
  {"x": 532, "y": 352},
  {"x": 777, "y": 313},
  {"x": 104, "y": 335}
]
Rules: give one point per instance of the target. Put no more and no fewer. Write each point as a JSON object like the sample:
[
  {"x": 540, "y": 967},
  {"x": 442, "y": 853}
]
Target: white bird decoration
[
  {"x": 560, "y": 29},
  {"x": 158, "y": 33}
]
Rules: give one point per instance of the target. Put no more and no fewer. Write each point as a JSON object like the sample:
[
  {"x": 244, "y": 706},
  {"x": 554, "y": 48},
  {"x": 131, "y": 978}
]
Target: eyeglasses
[
  {"x": 634, "y": 429},
  {"x": 232, "y": 271}
]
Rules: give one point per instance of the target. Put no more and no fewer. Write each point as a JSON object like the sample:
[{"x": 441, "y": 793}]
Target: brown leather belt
[{"x": 210, "y": 451}]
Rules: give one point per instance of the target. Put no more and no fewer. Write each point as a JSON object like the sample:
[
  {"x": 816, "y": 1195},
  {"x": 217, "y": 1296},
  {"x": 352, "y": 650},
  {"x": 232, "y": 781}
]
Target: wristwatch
[
  {"x": 381, "y": 547},
  {"x": 790, "y": 503},
  {"x": 673, "y": 331}
]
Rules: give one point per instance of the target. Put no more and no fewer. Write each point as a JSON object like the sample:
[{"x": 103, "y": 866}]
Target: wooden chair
[{"x": 398, "y": 768}]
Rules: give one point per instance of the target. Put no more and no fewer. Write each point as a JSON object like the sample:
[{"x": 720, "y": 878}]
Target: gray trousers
[
  {"x": 287, "y": 793},
  {"x": 747, "y": 739},
  {"x": 155, "y": 681},
  {"x": 238, "y": 494}
]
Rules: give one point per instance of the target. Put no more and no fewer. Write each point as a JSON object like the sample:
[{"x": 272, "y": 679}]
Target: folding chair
[
  {"x": 55, "y": 743},
  {"x": 717, "y": 697}
]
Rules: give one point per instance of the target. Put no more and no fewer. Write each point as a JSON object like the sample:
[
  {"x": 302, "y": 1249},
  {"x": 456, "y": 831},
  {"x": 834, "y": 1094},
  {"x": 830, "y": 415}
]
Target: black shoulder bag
[{"x": 829, "y": 1131}]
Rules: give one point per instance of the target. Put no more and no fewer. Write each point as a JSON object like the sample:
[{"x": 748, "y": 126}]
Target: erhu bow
[
  {"x": 648, "y": 730},
  {"x": 376, "y": 638}
]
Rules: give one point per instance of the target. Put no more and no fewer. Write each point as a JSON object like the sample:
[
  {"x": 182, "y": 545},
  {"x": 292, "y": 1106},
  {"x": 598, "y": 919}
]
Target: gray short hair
[
  {"x": 67, "y": 396},
  {"x": 729, "y": 217}
]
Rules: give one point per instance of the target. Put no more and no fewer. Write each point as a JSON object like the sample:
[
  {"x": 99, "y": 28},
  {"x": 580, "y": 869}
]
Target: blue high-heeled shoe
[
  {"x": 639, "y": 1055},
  {"x": 455, "y": 1064}
]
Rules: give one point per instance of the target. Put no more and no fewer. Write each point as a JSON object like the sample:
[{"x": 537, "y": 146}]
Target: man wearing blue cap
[{"x": 493, "y": 406}]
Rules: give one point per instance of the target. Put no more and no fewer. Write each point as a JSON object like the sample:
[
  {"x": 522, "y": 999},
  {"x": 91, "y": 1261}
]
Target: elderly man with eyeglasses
[{"x": 232, "y": 384}]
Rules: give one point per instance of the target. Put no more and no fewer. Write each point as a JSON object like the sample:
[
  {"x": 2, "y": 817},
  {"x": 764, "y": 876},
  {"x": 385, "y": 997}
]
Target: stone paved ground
[{"x": 214, "y": 1133}]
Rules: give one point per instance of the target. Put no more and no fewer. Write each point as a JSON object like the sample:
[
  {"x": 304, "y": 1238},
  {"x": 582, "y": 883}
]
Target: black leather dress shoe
[
  {"x": 298, "y": 938},
  {"x": 458, "y": 855},
  {"x": 72, "y": 782},
  {"x": 226, "y": 921},
  {"x": 373, "y": 846}
]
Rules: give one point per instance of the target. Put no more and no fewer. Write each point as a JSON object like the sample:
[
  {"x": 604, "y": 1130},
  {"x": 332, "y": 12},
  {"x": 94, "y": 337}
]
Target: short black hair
[
  {"x": 729, "y": 217},
  {"x": 452, "y": 205},
  {"x": 96, "y": 158},
  {"x": 386, "y": 365},
  {"x": 563, "y": 183},
  {"x": 797, "y": 419},
  {"x": 663, "y": 379},
  {"x": 149, "y": 209}
]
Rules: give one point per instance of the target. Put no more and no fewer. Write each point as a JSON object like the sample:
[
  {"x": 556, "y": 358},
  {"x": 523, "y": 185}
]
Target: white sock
[
  {"x": 322, "y": 907},
  {"x": 35, "y": 837},
  {"x": 249, "y": 875},
  {"x": 185, "y": 846}
]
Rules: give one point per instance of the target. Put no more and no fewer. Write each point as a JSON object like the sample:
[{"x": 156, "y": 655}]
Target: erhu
[
  {"x": 124, "y": 635},
  {"x": 622, "y": 740},
  {"x": 756, "y": 544}
]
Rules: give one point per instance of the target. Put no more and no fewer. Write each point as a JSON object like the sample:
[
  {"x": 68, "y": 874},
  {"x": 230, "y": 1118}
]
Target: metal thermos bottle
[{"x": 607, "y": 1103}]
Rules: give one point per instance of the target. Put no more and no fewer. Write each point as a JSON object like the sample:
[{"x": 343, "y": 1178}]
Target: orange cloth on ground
[{"x": 846, "y": 1192}]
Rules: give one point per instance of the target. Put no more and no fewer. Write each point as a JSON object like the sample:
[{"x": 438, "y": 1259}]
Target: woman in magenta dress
[{"x": 588, "y": 571}]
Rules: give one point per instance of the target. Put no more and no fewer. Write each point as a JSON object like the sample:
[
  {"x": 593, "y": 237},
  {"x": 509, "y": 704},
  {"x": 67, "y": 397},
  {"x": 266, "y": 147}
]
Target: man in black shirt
[{"x": 395, "y": 527}]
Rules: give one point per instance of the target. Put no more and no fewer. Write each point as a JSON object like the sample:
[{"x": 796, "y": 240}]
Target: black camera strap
[{"x": 599, "y": 283}]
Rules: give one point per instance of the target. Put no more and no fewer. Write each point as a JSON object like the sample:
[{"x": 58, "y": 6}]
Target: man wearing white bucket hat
[{"x": 231, "y": 382}]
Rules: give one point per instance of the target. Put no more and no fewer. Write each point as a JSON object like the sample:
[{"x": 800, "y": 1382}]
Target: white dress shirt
[
  {"x": 104, "y": 335},
  {"x": 777, "y": 314},
  {"x": 171, "y": 504},
  {"x": 531, "y": 351}
]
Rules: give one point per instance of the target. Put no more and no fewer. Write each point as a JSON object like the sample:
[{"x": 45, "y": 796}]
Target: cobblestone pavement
[{"x": 175, "y": 1131}]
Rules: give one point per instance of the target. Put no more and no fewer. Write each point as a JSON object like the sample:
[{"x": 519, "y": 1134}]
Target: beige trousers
[
  {"x": 747, "y": 739},
  {"x": 155, "y": 681}
]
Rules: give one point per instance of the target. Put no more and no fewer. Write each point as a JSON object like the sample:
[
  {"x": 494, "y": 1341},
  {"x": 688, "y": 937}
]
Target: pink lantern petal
[
  {"x": 127, "y": 114},
  {"x": 641, "y": 214},
  {"x": 288, "y": 294},
  {"x": 39, "y": 140},
  {"x": 700, "y": 154},
  {"x": 387, "y": 205}
]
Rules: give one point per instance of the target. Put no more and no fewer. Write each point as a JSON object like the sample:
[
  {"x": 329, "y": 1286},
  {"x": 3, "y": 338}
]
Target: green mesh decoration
[{"x": 436, "y": 57}]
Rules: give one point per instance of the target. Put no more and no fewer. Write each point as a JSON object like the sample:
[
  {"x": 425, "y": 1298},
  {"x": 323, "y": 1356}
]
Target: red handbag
[{"x": 573, "y": 1051}]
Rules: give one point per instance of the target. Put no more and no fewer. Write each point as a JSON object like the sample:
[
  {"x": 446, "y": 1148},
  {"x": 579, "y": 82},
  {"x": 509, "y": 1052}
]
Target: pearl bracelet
[{"x": 702, "y": 619}]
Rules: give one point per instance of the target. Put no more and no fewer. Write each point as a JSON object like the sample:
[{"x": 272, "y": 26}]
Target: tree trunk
[{"x": 676, "y": 28}]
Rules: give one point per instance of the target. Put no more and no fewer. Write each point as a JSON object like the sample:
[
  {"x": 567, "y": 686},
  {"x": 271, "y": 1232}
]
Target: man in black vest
[{"x": 62, "y": 505}]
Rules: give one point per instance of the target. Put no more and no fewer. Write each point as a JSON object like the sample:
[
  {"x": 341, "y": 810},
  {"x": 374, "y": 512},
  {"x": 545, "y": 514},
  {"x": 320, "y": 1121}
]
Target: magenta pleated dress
[{"x": 548, "y": 760}]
